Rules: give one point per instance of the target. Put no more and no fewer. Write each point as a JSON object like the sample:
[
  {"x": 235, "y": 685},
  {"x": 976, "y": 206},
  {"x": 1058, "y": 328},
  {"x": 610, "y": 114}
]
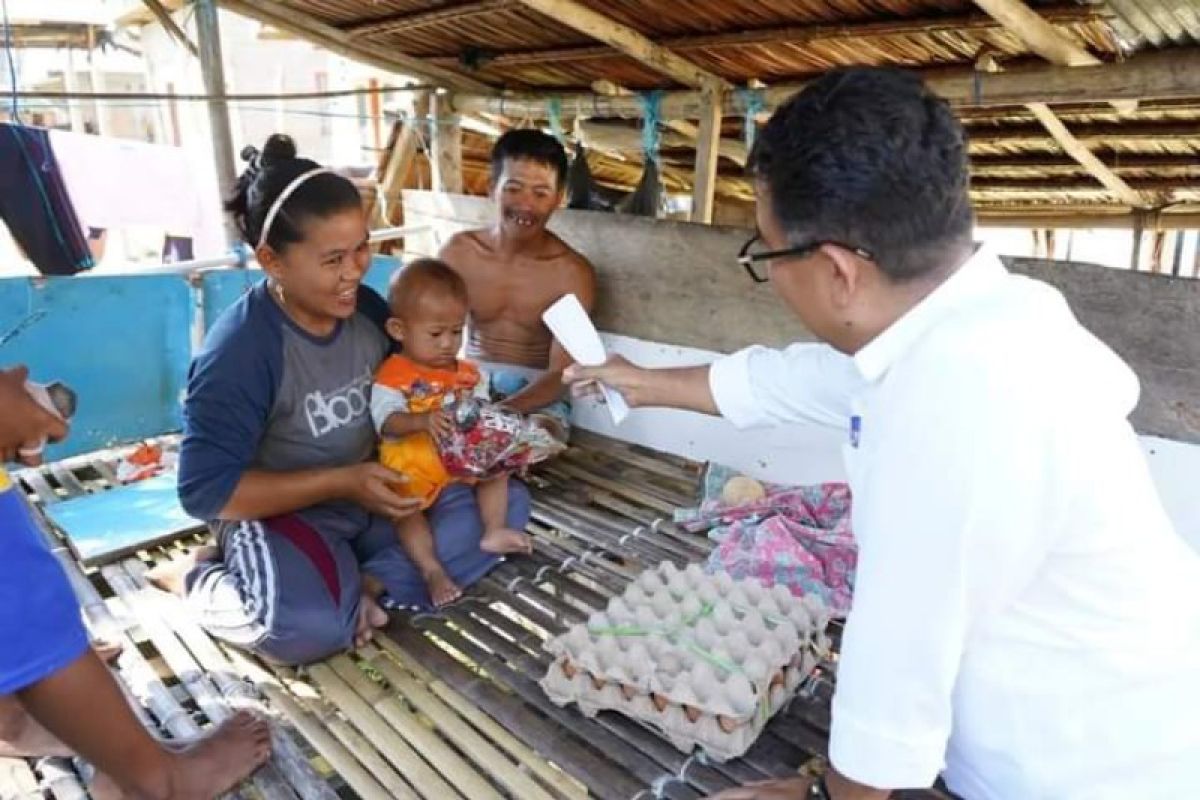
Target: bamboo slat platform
[{"x": 441, "y": 706}]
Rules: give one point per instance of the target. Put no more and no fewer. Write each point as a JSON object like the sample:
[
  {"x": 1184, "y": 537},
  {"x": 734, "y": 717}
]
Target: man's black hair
[
  {"x": 530, "y": 144},
  {"x": 870, "y": 158}
]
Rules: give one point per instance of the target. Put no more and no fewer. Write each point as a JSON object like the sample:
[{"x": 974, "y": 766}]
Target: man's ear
[
  {"x": 847, "y": 272},
  {"x": 395, "y": 328}
]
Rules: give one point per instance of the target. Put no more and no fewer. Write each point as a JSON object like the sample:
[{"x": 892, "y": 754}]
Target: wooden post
[
  {"x": 71, "y": 84},
  {"x": 1156, "y": 252},
  {"x": 704, "y": 187},
  {"x": 208, "y": 31},
  {"x": 102, "y": 122},
  {"x": 1139, "y": 227},
  {"x": 1196, "y": 260},
  {"x": 1177, "y": 259},
  {"x": 447, "y": 146}
]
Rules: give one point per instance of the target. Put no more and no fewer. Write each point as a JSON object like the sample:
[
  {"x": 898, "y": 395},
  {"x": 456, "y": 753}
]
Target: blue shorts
[
  {"x": 504, "y": 381},
  {"x": 41, "y": 630}
]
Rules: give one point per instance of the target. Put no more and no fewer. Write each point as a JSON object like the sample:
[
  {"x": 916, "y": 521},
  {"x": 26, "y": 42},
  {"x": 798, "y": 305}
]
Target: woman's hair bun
[{"x": 279, "y": 147}]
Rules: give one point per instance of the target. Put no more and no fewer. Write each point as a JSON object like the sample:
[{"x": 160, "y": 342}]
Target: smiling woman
[{"x": 278, "y": 437}]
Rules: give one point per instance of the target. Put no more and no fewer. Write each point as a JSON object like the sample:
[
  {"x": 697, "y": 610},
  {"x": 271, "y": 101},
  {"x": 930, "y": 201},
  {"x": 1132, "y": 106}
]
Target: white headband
[{"x": 287, "y": 192}]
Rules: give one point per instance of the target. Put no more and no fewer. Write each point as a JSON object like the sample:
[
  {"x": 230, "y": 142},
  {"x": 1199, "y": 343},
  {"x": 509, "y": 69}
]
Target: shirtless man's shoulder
[{"x": 467, "y": 251}]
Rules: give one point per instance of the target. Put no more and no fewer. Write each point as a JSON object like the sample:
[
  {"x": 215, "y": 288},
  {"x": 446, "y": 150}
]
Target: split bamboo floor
[{"x": 439, "y": 707}]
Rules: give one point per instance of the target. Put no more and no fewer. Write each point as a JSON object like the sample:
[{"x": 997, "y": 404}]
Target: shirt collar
[{"x": 978, "y": 274}]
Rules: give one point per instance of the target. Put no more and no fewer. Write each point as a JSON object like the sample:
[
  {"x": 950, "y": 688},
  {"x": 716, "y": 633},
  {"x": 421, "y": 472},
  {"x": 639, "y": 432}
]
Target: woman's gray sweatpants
[{"x": 289, "y": 587}]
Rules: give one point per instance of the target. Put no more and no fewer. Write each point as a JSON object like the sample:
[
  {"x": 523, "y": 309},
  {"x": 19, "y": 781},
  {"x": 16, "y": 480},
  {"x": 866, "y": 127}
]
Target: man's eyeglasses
[{"x": 748, "y": 260}]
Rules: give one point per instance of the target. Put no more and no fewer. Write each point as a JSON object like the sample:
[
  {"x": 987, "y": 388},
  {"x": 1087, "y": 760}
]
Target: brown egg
[{"x": 728, "y": 724}]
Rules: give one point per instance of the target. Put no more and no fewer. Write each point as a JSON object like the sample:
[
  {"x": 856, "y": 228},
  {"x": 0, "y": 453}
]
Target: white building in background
[{"x": 344, "y": 132}]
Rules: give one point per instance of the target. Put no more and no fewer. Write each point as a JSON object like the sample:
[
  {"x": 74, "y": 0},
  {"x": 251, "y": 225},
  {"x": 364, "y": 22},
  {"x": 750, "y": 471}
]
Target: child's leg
[
  {"x": 417, "y": 540},
  {"x": 492, "y": 495}
]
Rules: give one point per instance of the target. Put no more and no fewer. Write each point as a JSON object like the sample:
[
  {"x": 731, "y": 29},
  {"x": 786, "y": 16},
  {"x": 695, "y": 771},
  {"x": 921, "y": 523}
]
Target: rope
[
  {"x": 651, "y": 103},
  {"x": 753, "y": 104},
  {"x": 554, "y": 113}
]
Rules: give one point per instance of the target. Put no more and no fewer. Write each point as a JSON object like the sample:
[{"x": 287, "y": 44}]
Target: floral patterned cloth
[{"x": 795, "y": 536}]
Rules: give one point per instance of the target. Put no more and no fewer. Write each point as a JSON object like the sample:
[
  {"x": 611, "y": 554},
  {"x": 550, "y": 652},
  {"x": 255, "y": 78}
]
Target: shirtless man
[
  {"x": 515, "y": 270},
  {"x": 49, "y": 674}
]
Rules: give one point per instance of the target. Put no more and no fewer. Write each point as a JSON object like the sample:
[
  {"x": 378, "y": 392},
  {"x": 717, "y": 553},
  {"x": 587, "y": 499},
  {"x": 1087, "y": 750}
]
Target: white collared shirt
[{"x": 1026, "y": 621}]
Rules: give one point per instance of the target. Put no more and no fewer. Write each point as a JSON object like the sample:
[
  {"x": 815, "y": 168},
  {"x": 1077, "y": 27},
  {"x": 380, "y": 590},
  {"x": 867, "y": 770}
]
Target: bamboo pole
[
  {"x": 428, "y": 781},
  {"x": 457, "y": 730},
  {"x": 354, "y": 741},
  {"x": 208, "y": 31},
  {"x": 424, "y": 740},
  {"x": 558, "y": 780},
  {"x": 704, "y": 185},
  {"x": 1169, "y": 74},
  {"x": 330, "y": 749},
  {"x": 287, "y": 756},
  {"x": 17, "y": 780}
]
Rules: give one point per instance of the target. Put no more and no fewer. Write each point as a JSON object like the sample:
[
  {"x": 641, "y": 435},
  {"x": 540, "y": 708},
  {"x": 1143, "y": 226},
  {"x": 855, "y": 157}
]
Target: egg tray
[{"x": 705, "y": 660}]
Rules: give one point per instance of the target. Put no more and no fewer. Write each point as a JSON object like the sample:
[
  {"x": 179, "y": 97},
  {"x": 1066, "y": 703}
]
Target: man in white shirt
[{"x": 1026, "y": 622}]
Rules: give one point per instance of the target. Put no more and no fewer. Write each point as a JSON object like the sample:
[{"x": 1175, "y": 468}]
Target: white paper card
[{"x": 574, "y": 330}]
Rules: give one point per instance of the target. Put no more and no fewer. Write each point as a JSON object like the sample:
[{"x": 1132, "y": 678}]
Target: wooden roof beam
[
  {"x": 630, "y": 42},
  {"x": 787, "y": 34},
  {"x": 1167, "y": 74},
  {"x": 1052, "y": 45},
  {"x": 1035, "y": 31},
  {"x": 172, "y": 28},
  {"x": 286, "y": 18},
  {"x": 1086, "y": 158},
  {"x": 439, "y": 15}
]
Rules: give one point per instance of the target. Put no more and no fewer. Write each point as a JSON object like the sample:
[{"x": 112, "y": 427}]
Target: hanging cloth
[
  {"x": 35, "y": 205},
  {"x": 646, "y": 200},
  {"x": 753, "y": 104},
  {"x": 582, "y": 192}
]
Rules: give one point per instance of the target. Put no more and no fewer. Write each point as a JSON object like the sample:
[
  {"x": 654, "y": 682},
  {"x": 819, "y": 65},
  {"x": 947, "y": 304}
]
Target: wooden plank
[
  {"x": 171, "y": 27},
  {"x": 395, "y": 172},
  {"x": 605, "y": 779},
  {"x": 792, "y": 35},
  {"x": 459, "y": 732},
  {"x": 440, "y": 15},
  {"x": 447, "y": 147},
  {"x": 427, "y": 780},
  {"x": 1173, "y": 73},
  {"x": 658, "y": 279},
  {"x": 704, "y": 186},
  {"x": 457, "y": 770},
  {"x": 627, "y": 40},
  {"x": 287, "y": 18},
  {"x": 1086, "y": 158},
  {"x": 632, "y": 757},
  {"x": 1039, "y": 34}
]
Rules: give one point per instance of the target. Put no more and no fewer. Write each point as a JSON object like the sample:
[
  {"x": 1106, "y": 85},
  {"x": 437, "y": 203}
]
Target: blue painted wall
[{"x": 122, "y": 342}]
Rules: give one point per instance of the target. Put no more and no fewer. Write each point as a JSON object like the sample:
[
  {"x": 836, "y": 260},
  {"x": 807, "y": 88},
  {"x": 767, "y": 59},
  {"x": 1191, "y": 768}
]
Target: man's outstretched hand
[
  {"x": 23, "y": 419},
  {"x": 617, "y": 373}
]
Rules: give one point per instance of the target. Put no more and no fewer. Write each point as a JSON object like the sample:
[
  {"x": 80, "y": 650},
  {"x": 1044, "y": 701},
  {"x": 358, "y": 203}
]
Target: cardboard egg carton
[{"x": 705, "y": 660}]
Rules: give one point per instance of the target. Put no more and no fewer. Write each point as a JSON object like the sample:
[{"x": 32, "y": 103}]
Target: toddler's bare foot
[
  {"x": 442, "y": 590},
  {"x": 503, "y": 541}
]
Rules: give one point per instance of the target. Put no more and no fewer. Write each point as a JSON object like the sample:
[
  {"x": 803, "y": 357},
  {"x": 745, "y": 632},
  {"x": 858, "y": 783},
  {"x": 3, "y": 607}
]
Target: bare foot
[
  {"x": 107, "y": 651},
  {"x": 370, "y": 617},
  {"x": 502, "y": 541},
  {"x": 442, "y": 590},
  {"x": 169, "y": 575},
  {"x": 223, "y": 759}
]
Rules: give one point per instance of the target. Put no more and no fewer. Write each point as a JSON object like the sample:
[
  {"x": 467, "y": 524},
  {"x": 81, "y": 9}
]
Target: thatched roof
[{"x": 505, "y": 46}]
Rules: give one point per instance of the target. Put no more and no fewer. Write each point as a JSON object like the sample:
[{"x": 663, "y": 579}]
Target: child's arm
[{"x": 392, "y": 417}]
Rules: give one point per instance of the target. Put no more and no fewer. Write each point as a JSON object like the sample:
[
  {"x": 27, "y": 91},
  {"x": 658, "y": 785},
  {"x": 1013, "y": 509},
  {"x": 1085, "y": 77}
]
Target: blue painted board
[
  {"x": 122, "y": 342},
  {"x": 106, "y": 526}
]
